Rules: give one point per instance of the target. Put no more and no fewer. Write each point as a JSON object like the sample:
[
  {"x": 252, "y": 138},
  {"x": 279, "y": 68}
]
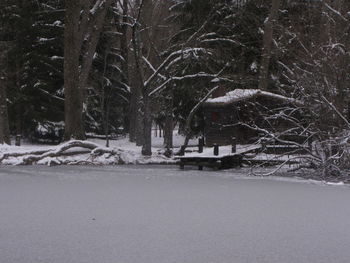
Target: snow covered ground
[
  {"x": 128, "y": 153},
  {"x": 148, "y": 214}
]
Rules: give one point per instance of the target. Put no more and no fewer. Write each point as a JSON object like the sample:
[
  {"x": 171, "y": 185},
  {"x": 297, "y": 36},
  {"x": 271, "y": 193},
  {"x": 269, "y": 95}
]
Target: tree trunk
[
  {"x": 83, "y": 26},
  {"x": 125, "y": 63},
  {"x": 141, "y": 103},
  {"x": 188, "y": 131},
  {"x": 169, "y": 123},
  {"x": 135, "y": 108},
  {"x": 136, "y": 102},
  {"x": 4, "y": 124},
  {"x": 136, "y": 116},
  {"x": 73, "y": 104},
  {"x": 267, "y": 45},
  {"x": 139, "y": 115},
  {"x": 132, "y": 115},
  {"x": 134, "y": 83},
  {"x": 147, "y": 124}
]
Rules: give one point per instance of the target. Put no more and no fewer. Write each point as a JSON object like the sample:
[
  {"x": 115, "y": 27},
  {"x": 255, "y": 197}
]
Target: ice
[{"x": 152, "y": 214}]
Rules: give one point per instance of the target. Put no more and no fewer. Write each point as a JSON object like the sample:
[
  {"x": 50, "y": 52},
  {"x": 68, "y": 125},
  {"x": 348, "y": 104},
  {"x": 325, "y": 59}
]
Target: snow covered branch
[{"x": 70, "y": 148}]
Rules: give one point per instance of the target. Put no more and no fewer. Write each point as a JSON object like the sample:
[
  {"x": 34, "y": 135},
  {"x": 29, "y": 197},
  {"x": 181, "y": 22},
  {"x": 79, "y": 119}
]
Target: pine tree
[
  {"x": 35, "y": 65},
  {"x": 5, "y": 45},
  {"x": 109, "y": 94}
]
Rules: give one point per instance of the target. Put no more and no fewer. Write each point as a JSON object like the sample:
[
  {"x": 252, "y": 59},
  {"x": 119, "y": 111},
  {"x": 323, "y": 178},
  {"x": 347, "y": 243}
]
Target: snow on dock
[{"x": 223, "y": 160}]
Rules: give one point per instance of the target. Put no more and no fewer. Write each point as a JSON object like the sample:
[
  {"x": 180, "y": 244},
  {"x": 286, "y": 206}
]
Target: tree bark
[
  {"x": 136, "y": 115},
  {"x": 73, "y": 104},
  {"x": 267, "y": 45},
  {"x": 169, "y": 123},
  {"x": 147, "y": 124},
  {"x": 83, "y": 25},
  {"x": 132, "y": 111},
  {"x": 125, "y": 54},
  {"x": 135, "y": 96},
  {"x": 139, "y": 118},
  {"x": 141, "y": 97},
  {"x": 4, "y": 124}
]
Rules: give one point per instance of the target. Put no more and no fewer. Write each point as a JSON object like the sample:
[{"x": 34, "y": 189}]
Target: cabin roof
[{"x": 245, "y": 94}]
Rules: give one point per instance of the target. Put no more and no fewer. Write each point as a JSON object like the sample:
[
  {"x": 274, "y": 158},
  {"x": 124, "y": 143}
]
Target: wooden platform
[
  {"x": 269, "y": 155},
  {"x": 221, "y": 161},
  {"x": 217, "y": 163}
]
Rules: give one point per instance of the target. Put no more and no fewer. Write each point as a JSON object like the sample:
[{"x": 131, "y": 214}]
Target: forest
[{"x": 77, "y": 69}]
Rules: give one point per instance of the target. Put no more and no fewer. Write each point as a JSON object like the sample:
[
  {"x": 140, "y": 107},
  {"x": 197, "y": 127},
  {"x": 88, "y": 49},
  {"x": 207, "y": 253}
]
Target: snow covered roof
[{"x": 244, "y": 94}]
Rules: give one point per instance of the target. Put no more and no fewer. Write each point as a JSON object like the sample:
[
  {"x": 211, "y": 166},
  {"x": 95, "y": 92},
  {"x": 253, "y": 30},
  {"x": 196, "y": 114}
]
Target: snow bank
[{"x": 87, "y": 152}]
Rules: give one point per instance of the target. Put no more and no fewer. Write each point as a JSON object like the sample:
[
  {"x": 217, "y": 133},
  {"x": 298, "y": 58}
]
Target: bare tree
[
  {"x": 316, "y": 70},
  {"x": 147, "y": 44},
  {"x": 83, "y": 24},
  {"x": 267, "y": 45}
]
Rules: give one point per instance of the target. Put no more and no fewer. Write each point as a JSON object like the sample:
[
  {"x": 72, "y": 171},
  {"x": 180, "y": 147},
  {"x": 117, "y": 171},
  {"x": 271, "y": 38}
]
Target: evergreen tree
[
  {"x": 108, "y": 95},
  {"x": 35, "y": 66}
]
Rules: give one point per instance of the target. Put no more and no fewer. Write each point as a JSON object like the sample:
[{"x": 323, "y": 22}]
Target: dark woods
[{"x": 70, "y": 68}]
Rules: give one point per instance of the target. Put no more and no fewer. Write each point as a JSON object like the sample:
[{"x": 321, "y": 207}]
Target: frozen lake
[{"x": 143, "y": 214}]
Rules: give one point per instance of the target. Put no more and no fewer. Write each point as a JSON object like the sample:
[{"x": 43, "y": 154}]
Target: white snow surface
[
  {"x": 223, "y": 150},
  {"x": 244, "y": 94},
  {"x": 148, "y": 214}
]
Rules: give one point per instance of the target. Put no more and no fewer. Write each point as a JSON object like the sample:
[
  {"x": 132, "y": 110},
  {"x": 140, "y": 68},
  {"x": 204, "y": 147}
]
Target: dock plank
[{"x": 224, "y": 160}]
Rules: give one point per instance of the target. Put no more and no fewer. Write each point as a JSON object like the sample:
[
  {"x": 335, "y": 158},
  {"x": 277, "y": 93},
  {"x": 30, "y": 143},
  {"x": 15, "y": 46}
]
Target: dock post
[
  {"x": 233, "y": 144},
  {"x": 200, "y": 144},
  {"x": 182, "y": 164},
  {"x": 216, "y": 149},
  {"x": 263, "y": 144},
  {"x": 18, "y": 140},
  {"x": 182, "y": 150}
]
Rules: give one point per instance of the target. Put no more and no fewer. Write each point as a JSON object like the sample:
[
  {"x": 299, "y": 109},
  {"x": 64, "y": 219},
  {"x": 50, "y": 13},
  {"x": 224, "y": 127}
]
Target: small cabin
[{"x": 234, "y": 114}]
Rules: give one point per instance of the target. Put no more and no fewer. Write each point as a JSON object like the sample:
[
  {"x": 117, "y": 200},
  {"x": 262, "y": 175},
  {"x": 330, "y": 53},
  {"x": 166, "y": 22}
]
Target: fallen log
[{"x": 70, "y": 148}]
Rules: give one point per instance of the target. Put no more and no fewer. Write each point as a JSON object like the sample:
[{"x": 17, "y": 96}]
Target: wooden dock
[{"x": 225, "y": 160}]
